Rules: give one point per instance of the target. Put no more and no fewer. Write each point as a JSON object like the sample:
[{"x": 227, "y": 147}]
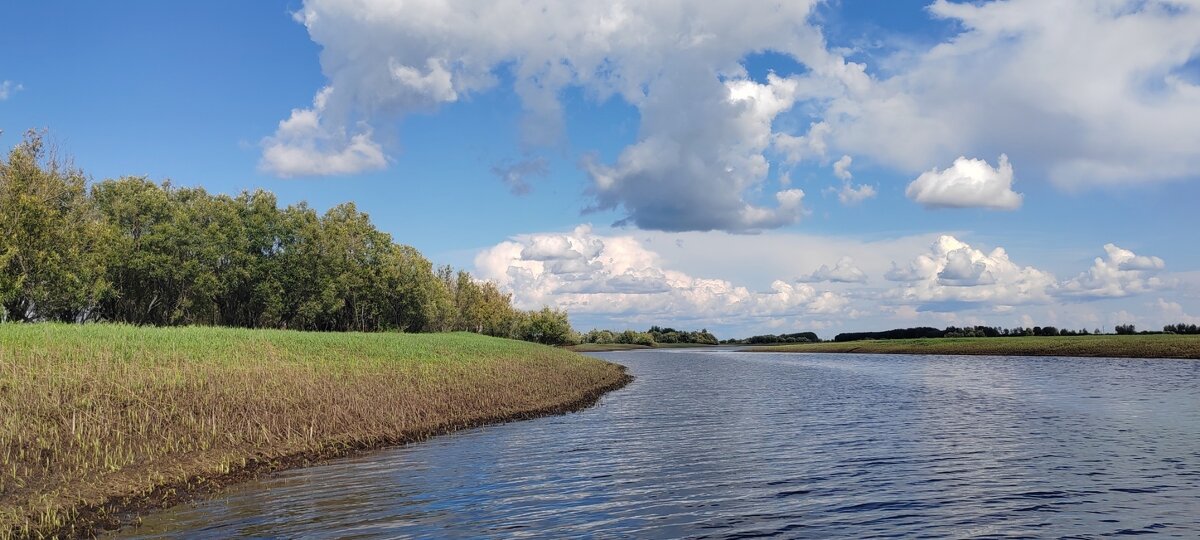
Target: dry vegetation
[
  {"x": 1131, "y": 346},
  {"x": 97, "y": 419}
]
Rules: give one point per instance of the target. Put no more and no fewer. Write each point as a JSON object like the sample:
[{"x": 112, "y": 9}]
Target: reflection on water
[{"x": 736, "y": 445}]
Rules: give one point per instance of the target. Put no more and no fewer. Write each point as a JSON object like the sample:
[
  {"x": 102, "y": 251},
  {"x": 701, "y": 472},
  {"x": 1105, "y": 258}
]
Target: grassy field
[
  {"x": 606, "y": 347},
  {"x": 1132, "y": 346},
  {"x": 99, "y": 420}
]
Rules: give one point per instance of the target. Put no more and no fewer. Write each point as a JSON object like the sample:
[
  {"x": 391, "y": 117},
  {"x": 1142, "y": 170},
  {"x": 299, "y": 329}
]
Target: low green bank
[
  {"x": 99, "y": 420},
  {"x": 1129, "y": 346}
]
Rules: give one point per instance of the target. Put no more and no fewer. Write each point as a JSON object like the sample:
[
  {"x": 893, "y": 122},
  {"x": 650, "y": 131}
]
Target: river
[{"x": 721, "y": 444}]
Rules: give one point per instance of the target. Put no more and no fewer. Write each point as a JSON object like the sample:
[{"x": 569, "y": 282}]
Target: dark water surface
[{"x": 738, "y": 445}]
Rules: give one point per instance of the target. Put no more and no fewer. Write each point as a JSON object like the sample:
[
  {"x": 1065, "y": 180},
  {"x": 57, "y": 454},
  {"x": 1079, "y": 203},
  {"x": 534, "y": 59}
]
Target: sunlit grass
[
  {"x": 1134, "y": 346},
  {"x": 90, "y": 412}
]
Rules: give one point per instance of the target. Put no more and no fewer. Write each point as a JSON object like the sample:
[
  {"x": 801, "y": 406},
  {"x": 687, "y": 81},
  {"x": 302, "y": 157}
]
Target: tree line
[
  {"x": 132, "y": 251},
  {"x": 767, "y": 339},
  {"x": 998, "y": 332},
  {"x": 653, "y": 336}
]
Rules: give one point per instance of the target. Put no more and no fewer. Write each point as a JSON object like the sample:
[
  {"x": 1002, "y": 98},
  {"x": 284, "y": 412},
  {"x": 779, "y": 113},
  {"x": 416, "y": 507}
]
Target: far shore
[
  {"x": 1112, "y": 346},
  {"x": 610, "y": 347}
]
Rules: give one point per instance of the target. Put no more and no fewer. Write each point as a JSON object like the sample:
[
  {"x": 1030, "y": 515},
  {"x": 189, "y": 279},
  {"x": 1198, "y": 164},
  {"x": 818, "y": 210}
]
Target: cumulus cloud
[
  {"x": 516, "y": 175},
  {"x": 952, "y": 273},
  {"x": 843, "y": 272},
  {"x": 965, "y": 184},
  {"x": 8, "y": 88},
  {"x": 616, "y": 274},
  {"x": 304, "y": 146},
  {"x": 691, "y": 170},
  {"x": 1119, "y": 273}
]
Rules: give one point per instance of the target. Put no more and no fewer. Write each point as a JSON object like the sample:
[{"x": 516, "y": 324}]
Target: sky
[{"x": 750, "y": 167}]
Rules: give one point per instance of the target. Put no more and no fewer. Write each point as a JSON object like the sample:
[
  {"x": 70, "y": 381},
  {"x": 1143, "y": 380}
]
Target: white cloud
[
  {"x": 304, "y": 146},
  {"x": 1120, "y": 273},
  {"x": 843, "y": 272},
  {"x": 848, "y": 193},
  {"x": 952, "y": 273},
  {"x": 618, "y": 276},
  {"x": 965, "y": 184},
  {"x": 841, "y": 168},
  {"x": 8, "y": 88}
]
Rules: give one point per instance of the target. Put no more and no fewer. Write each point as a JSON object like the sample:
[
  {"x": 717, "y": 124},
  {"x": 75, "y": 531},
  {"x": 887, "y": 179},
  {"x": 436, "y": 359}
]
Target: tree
[
  {"x": 548, "y": 326},
  {"x": 52, "y": 243}
]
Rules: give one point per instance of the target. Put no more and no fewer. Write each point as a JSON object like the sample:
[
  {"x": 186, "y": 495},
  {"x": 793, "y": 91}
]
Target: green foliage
[
  {"x": 656, "y": 335},
  {"x": 548, "y": 326},
  {"x": 51, "y": 241},
  {"x": 134, "y": 251}
]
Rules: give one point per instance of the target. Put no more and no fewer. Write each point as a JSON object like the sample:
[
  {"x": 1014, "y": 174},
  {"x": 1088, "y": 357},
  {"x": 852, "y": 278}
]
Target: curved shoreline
[{"x": 125, "y": 510}]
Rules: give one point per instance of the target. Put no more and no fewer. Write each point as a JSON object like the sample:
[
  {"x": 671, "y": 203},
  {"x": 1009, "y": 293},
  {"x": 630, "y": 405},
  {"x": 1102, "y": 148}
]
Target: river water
[{"x": 720, "y": 444}]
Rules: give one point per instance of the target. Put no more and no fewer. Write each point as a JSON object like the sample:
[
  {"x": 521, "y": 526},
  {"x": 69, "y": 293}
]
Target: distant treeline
[
  {"x": 132, "y": 251},
  {"x": 799, "y": 337},
  {"x": 994, "y": 332},
  {"x": 653, "y": 336},
  {"x": 1181, "y": 328}
]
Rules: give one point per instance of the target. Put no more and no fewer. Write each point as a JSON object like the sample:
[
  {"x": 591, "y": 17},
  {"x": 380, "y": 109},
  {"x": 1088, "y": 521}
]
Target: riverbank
[
  {"x": 1126, "y": 346},
  {"x": 610, "y": 347},
  {"x": 100, "y": 422}
]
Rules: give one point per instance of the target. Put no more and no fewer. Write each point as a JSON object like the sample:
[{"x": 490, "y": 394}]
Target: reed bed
[
  {"x": 98, "y": 420},
  {"x": 1126, "y": 346}
]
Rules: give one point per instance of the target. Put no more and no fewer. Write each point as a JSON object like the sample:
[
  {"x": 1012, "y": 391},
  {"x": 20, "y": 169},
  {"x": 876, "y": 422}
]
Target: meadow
[
  {"x": 1129, "y": 346},
  {"x": 100, "y": 421}
]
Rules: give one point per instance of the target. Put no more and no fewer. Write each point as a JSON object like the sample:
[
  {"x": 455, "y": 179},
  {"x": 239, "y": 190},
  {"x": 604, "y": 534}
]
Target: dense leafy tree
[{"x": 52, "y": 243}]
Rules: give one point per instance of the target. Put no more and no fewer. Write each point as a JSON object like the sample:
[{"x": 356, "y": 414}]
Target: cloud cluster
[
  {"x": 843, "y": 272},
  {"x": 1119, "y": 273},
  {"x": 965, "y": 184},
  {"x": 616, "y": 277},
  {"x": 587, "y": 273},
  {"x": 1014, "y": 78},
  {"x": 952, "y": 271}
]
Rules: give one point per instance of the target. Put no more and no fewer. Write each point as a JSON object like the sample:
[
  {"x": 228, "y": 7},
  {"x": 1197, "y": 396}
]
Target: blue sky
[{"x": 613, "y": 123}]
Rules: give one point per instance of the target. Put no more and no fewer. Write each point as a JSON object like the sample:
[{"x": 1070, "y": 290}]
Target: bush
[{"x": 547, "y": 326}]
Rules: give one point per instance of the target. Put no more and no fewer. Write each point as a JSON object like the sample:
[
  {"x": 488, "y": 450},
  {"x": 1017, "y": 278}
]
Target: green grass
[
  {"x": 1132, "y": 346},
  {"x": 89, "y": 413}
]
